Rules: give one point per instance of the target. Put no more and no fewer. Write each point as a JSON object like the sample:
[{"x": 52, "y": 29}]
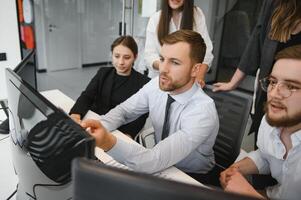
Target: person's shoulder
[
  {"x": 202, "y": 96},
  {"x": 140, "y": 77},
  {"x": 198, "y": 11},
  {"x": 266, "y": 130},
  {"x": 265, "y": 127},
  {"x": 105, "y": 69},
  {"x": 199, "y": 17},
  {"x": 155, "y": 16},
  {"x": 153, "y": 85},
  {"x": 201, "y": 101}
]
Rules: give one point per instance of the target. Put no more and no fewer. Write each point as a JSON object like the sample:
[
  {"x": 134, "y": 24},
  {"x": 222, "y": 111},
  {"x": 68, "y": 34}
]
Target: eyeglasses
[{"x": 283, "y": 88}]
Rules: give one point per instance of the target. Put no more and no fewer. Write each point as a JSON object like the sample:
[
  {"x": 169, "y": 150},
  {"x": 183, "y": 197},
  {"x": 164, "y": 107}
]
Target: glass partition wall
[{"x": 96, "y": 23}]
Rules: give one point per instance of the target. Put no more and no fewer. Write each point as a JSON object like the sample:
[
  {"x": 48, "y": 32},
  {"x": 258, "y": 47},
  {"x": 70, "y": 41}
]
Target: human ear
[{"x": 195, "y": 69}]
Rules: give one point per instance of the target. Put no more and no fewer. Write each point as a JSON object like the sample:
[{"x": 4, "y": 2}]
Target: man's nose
[
  {"x": 275, "y": 92},
  {"x": 163, "y": 66}
]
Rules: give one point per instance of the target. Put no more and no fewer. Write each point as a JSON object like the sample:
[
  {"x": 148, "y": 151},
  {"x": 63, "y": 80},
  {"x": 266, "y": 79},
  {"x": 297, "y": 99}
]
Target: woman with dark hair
[
  {"x": 113, "y": 85},
  {"x": 278, "y": 27},
  {"x": 175, "y": 15}
]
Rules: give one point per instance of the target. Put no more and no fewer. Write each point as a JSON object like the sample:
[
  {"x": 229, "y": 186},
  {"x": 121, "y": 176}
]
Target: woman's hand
[
  {"x": 223, "y": 86},
  {"x": 231, "y": 85}
]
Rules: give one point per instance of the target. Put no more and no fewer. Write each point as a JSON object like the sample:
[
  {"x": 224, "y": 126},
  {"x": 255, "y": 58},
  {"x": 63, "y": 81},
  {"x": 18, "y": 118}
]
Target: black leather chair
[{"x": 233, "y": 111}]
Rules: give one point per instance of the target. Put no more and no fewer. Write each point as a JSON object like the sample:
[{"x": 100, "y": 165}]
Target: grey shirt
[{"x": 193, "y": 129}]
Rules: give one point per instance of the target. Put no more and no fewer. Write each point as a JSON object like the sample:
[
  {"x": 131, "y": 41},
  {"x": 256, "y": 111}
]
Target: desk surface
[{"x": 8, "y": 179}]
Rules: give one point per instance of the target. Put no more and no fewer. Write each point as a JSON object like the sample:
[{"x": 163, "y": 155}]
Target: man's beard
[
  {"x": 171, "y": 86},
  {"x": 283, "y": 121}
]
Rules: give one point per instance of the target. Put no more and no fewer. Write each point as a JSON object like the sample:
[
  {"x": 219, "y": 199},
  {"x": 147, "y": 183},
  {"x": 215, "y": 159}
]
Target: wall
[
  {"x": 9, "y": 40},
  {"x": 207, "y": 8}
]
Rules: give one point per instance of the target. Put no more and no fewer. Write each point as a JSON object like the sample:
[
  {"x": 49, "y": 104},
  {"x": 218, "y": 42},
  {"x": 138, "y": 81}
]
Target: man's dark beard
[{"x": 284, "y": 121}]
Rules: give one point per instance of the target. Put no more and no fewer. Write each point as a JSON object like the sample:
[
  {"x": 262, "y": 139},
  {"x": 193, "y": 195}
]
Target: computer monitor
[
  {"x": 93, "y": 180},
  {"x": 27, "y": 71},
  {"x": 44, "y": 140}
]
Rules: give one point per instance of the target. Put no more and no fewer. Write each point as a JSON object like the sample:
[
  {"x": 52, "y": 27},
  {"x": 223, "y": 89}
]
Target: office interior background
[
  {"x": 72, "y": 38},
  {"x": 76, "y": 34}
]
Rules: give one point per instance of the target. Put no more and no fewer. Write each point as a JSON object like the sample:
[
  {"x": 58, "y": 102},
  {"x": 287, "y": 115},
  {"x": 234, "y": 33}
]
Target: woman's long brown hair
[
  {"x": 166, "y": 14},
  {"x": 285, "y": 19}
]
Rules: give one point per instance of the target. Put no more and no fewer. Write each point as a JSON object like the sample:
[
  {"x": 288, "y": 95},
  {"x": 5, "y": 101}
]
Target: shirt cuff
[
  {"x": 260, "y": 162},
  {"x": 120, "y": 150}
]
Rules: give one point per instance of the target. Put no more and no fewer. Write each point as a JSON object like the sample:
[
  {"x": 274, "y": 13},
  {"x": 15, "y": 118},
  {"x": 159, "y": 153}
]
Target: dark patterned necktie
[{"x": 165, "y": 130}]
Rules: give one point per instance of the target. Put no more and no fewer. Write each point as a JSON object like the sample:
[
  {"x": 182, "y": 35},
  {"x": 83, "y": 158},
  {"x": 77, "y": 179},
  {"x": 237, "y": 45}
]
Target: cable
[
  {"x": 13, "y": 194},
  {"x": 4, "y": 138},
  {"x": 45, "y": 185}
]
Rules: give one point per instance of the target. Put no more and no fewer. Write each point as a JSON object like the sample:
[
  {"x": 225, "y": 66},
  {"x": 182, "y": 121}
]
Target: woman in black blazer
[{"x": 113, "y": 85}]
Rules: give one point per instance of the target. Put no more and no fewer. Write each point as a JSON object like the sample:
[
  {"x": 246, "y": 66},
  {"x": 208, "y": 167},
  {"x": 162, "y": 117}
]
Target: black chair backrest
[{"x": 233, "y": 111}]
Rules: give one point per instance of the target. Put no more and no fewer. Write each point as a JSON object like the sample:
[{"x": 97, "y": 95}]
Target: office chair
[{"x": 233, "y": 110}]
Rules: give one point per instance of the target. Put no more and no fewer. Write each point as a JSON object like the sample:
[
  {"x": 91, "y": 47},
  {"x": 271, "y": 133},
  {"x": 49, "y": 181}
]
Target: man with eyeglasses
[{"x": 279, "y": 136}]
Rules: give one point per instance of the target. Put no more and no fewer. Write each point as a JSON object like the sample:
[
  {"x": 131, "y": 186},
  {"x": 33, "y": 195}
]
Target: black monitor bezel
[
  {"x": 12, "y": 75},
  {"x": 94, "y": 180}
]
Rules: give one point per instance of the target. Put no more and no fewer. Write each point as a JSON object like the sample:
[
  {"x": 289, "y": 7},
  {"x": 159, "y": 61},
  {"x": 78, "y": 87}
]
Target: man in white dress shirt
[
  {"x": 279, "y": 136},
  {"x": 193, "y": 121}
]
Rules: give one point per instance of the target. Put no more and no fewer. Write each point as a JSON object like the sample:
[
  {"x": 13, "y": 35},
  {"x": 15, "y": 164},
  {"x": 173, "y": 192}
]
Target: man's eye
[
  {"x": 175, "y": 63},
  {"x": 292, "y": 87},
  {"x": 272, "y": 82},
  {"x": 161, "y": 59}
]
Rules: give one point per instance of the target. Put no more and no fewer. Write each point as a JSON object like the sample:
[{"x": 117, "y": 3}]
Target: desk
[
  {"x": 65, "y": 103},
  {"x": 8, "y": 178}
]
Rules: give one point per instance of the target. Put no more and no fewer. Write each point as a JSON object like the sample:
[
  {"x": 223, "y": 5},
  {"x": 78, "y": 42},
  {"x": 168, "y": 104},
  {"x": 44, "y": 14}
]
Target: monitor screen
[
  {"x": 93, "y": 180},
  {"x": 26, "y": 69},
  {"x": 44, "y": 138}
]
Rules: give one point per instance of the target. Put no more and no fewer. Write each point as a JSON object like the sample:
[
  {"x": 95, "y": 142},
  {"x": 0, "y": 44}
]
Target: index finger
[{"x": 91, "y": 123}]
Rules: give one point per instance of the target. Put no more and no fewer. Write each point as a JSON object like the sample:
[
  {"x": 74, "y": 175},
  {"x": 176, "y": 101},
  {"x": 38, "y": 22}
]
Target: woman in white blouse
[{"x": 175, "y": 15}]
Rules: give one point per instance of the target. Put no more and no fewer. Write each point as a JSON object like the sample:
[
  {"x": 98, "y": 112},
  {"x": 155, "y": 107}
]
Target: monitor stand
[{"x": 4, "y": 126}]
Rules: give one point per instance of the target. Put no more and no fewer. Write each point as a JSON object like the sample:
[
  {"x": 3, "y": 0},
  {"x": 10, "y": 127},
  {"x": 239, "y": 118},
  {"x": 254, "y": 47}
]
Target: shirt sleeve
[
  {"x": 152, "y": 45},
  {"x": 197, "y": 126},
  {"x": 201, "y": 27},
  {"x": 260, "y": 162},
  {"x": 258, "y": 156}
]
